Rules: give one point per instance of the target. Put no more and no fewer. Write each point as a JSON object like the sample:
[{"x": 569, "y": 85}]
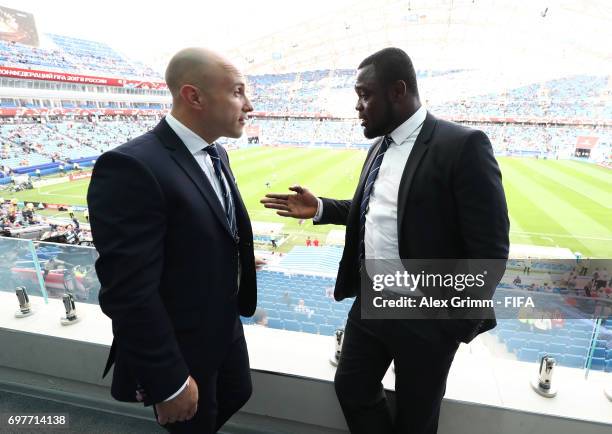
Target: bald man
[{"x": 176, "y": 262}]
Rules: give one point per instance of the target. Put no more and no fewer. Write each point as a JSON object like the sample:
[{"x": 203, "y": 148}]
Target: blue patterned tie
[
  {"x": 367, "y": 192},
  {"x": 230, "y": 212}
]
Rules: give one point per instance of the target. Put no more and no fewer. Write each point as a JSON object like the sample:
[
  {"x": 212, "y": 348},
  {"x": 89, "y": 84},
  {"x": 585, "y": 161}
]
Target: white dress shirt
[{"x": 381, "y": 237}]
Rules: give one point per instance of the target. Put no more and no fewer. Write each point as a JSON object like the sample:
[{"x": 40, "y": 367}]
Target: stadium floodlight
[
  {"x": 71, "y": 316},
  {"x": 542, "y": 384},
  {"x": 339, "y": 336},
  {"x": 25, "y": 309}
]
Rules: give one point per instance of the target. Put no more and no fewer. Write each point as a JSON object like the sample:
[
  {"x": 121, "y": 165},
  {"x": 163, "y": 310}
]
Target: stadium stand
[
  {"x": 570, "y": 345},
  {"x": 73, "y": 55},
  {"x": 281, "y": 292}
]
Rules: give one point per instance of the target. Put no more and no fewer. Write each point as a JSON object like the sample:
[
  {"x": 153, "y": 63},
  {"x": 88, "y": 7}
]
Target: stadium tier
[
  {"x": 568, "y": 341},
  {"x": 29, "y": 144},
  {"x": 73, "y": 55}
]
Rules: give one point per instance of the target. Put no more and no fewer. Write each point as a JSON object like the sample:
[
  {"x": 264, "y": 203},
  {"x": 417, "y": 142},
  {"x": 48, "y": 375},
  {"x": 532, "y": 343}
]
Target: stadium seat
[
  {"x": 539, "y": 344},
  {"x": 327, "y": 329},
  {"x": 287, "y": 314},
  {"x": 608, "y": 365},
  {"x": 585, "y": 343},
  {"x": 310, "y": 327},
  {"x": 292, "y": 325},
  {"x": 557, "y": 348},
  {"x": 577, "y": 350},
  {"x": 514, "y": 344},
  {"x": 599, "y": 352},
  {"x": 317, "y": 318},
  {"x": 573, "y": 361},
  {"x": 528, "y": 355},
  {"x": 504, "y": 335},
  {"x": 598, "y": 364},
  {"x": 275, "y": 323}
]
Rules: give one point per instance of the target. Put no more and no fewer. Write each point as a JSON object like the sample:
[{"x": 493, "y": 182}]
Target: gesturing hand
[
  {"x": 259, "y": 263},
  {"x": 181, "y": 408},
  {"x": 301, "y": 205}
]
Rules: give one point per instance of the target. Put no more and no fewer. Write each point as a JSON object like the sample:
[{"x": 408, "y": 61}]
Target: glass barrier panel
[
  {"x": 19, "y": 266},
  {"x": 68, "y": 269}
]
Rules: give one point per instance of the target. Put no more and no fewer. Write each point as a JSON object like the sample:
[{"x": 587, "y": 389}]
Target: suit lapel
[
  {"x": 418, "y": 150},
  {"x": 181, "y": 155}
]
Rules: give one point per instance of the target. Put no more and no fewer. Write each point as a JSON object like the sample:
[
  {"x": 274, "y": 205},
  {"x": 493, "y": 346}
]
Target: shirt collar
[
  {"x": 410, "y": 125},
  {"x": 192, "y": 141}
]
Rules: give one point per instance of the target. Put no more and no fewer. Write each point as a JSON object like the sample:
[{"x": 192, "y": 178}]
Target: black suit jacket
[
  {"x": 451, "y": 204},
  {"x": 168, "y": 263}
]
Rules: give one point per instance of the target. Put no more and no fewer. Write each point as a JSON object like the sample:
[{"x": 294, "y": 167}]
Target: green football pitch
[{"x": 552, "y": 203}]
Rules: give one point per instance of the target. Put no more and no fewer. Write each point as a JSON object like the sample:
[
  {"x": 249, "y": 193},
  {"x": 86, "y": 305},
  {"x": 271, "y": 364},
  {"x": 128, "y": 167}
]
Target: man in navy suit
[
  {"x": 176, "y": 262},
  {"x": 429, "y": 189}
]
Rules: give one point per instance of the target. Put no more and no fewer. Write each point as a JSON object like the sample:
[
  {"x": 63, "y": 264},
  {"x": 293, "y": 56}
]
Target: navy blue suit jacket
[{"x": 168, "y": 263}]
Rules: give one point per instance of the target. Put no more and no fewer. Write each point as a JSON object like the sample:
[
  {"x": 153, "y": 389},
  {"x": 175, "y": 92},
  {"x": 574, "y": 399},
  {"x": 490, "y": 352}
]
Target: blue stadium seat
[
  {"x": 292, "y": 325},
  {"x": 327, "y": 329},
  {"x": 573, "y": 361},
  {"x": 540, "y": 345},
  {"x": 608, "y": 365},
  {"x": 317, "y": 318},
  {"x": 504, "y": 335},
  {"x": 609, "y": 354},
  {"x": 578, "y": 334},
  {"x": 508, "y": 325},
  {"x": 576, "y": 350},
  {"x": 515, "y": 343},
  {"x": 275, "y": 323},
  {"x": 562, "y": 333},
  {"x": 557, "y": 348},
  {"x": 581, "y": 342},
  {"x": 524, "y": 335},
  {"x": 267, "y": 304},
  {"x": 325, "y": 312},
  {"x": 287, "y": 314},
  {"x": 310, "y": 327},
  {"x": 599, "y": 352},
  {"x": 584, "y": 327},
  {"x": 598, "y": 364},
  {"x": 528, "y": 355}
]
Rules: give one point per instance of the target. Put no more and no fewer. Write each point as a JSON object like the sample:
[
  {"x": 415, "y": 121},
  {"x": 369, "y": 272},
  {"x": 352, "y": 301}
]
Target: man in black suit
[
  {"x": 176, "y": 252},
  {"x": 429, "y": 189}
]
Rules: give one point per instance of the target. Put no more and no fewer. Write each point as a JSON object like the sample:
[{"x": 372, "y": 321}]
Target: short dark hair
[{"x": 392, "y": 64}]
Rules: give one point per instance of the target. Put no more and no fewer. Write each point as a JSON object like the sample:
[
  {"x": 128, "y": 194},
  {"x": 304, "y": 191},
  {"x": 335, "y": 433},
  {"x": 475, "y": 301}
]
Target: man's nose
[{"x": 248, "y": 107}]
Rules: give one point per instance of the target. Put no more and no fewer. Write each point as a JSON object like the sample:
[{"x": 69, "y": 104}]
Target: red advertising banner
[
  {"x": 81, "y": 175},
  {"x": 30, "y": 74},
  {"x": 586, "y": 142},
  {"x": 28, "y": 112}
]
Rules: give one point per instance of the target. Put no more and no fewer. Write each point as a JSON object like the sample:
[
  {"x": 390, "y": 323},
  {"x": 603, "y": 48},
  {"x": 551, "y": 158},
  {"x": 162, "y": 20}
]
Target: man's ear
[
  {"x": 398, "y": 90},
  {"x": 193, "y": 97}
]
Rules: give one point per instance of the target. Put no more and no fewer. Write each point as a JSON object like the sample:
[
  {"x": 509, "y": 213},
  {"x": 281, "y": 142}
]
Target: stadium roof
[
  {"x": 572, "y": 35},
  {"x": 269, "y": 36}
]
